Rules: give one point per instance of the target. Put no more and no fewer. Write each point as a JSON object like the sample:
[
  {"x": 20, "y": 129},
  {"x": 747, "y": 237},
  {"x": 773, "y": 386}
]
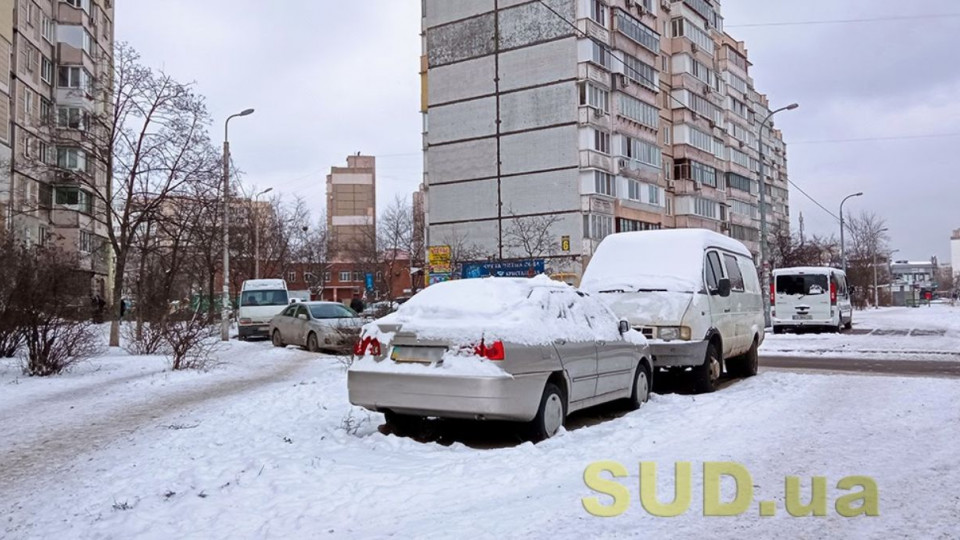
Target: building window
[
  {"x": 706, "y": 208},
  {"x": 667, "y": 136},
  {"x": 598, "y": 12},
  {"x": 632, "y": 225},
  {"x": 28, "y": 100},
  {"x": 326, "y": 277},
  {"x": 46, "y": 70},
  {"x": 48, "y": 30},
  {"x": 72, "y": 159},
  {"x": 594, "y": 96},
  {"x": 344, "y": 277},
  {"x": 357, "y": 277},
  {"x": 70, "y": 117},
  {"x": 639, "y": 32},
  {"x": 81, "y": 4},
  {"x": 642, "y": 151},
  {"x": 601, "y": 141},
  {"x": 87, "y": 242},
  {"x": 74, "y": 198},
  {"x": 741, "y": 183},
  {"x": 597, "y": 227},
  {"x": 654, "y": 194},
  {"x": 639, "y": 111},
  {"x": 601, "y": 55},
  {"x": 605, "y": 183},
  {"x": 291, "y": 277},
  {"x": 641, "y": 73}
]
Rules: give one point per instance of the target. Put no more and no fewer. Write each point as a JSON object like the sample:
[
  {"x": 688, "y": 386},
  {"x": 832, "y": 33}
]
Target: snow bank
[
  {"x": 533, "y": 311},
  {"x": 669, "y": 260}
]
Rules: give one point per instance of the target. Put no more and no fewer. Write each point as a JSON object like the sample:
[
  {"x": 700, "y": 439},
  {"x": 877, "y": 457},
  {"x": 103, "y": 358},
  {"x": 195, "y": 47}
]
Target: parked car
[
  {"x": 814, "y": 297},
  {"x": 317, "y": 326},
  {"x": 379, "y": 309},
  {"x": 260, "y": 299},
  {"x": 694, "y": 293},
  {"x": 525, "y": 350}
]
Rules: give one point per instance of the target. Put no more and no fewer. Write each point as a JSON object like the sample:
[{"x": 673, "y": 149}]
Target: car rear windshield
[
  {"x": 264, "y": 298},
  {"x": 802, "y": 284},
  {"x": 332, "y": 311}
]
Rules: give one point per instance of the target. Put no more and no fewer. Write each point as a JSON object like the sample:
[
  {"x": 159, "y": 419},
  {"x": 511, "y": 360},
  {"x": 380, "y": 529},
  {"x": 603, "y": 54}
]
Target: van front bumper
[
  {"x": 253, "y": 330},
  {"x": 678, "y": 353}
]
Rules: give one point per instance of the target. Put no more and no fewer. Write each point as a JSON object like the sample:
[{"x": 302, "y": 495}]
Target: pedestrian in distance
[{"x": 357, "y": 304}]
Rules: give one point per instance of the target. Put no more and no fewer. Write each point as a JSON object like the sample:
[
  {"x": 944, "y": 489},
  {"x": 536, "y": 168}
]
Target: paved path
[{"x": 923, "y": 368}]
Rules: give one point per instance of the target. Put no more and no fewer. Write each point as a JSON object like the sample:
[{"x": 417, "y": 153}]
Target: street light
[
  {"x": 876, "y": 291},
  {"x": 256, "y": 233},
  {"x": 763, "y": 218},
  {"x": 843, "y": 247},
  {"x": 225, "y": 316}
]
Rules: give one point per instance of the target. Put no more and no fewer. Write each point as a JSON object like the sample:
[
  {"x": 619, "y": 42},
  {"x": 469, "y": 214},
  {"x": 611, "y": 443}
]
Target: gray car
[
  {"x": 561, "y": 351},
  {"x": 316, "y": 326}
]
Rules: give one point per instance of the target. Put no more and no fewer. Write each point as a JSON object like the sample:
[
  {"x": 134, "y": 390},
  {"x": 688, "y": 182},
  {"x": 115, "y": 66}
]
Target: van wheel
[
  {"x": 839, "y": 328},
  {"x": 746, "y": 365},
  {"x": 312, "y": 344},
  {"x": 551, "y": 415},
  {"x": 641, "y": 388},
  {"x": 277, "y": 340},
  {"x": 849, "y": 325},
  {"x": 706, "y": 376}
]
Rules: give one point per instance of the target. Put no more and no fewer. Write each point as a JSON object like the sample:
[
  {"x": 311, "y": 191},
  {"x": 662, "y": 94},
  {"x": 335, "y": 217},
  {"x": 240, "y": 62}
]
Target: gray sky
[{"x": 330, "y": 78}]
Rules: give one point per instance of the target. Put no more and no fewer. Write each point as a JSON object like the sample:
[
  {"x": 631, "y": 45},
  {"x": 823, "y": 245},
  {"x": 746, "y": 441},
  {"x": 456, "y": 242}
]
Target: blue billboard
[{"x": 502, "y": 269}]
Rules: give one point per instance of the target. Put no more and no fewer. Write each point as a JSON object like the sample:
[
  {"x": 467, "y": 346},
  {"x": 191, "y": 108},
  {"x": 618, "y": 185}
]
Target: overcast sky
[{"x": 331, "y": 78}]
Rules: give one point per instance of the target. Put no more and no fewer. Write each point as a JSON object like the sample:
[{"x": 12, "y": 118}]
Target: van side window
[
  {"x": 714, "y": 271},
  {"x": 733, "y": 270}
]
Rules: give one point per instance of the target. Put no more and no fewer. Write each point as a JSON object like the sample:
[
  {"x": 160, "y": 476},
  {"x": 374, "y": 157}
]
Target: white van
[
  {"x": 260, "y": 300},
  {"x": 810, "y": 297},
  {"x": 693, "y": 293}
]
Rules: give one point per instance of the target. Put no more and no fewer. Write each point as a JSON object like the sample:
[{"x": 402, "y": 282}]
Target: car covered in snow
[
  {"x": 525, "y": 350},
  {"x": 316, "y": 326},
  {"x": 694, "y": 293}
]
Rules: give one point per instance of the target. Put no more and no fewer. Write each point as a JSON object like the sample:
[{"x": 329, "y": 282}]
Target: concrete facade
[
  {"x": 602, "y": 115},
  {"x": 55, "y": 56}
]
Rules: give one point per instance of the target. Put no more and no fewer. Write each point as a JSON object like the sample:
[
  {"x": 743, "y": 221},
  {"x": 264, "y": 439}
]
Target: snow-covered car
[
  {"x": 526, "y": 350},
  {"x": 694, "y": 293},
  {"x": 317, "y": 326}
]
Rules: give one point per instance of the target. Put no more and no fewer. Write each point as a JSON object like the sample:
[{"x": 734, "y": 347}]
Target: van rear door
[{"x": 803, "y": 296}]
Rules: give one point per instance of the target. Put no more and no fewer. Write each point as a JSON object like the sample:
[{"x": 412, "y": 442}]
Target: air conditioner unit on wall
[
  {"x": 622, "y": 163},
  {"x": 624, "y": 81},
  {"x": 629, "y": 4},
  {"x": 697, "y": 186},
  {"x": 671, "y": 185}
]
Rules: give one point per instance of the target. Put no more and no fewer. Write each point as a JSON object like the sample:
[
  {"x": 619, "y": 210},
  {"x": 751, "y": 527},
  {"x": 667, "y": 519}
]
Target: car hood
[{"x": 658, "y": 308}]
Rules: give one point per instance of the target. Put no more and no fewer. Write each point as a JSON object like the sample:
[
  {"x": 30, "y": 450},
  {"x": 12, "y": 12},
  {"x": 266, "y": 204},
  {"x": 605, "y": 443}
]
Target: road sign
[
  {"x": 565, "y": 243},
  {"x": 439, "y": 259},
  {"x": 503, "y": 269},
  {"x": 369, "y": 280}
]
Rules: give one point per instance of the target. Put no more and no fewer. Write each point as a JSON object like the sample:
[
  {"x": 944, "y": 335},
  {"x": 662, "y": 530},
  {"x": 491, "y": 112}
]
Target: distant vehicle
[
  {"x": 316, "y": 326},
  {"x": 810, "y": 297},
  {"x": 260, "y": 299},
  {"x": 524, "y": 350},
  {"x": 694, "y": 293},
  {"x": 379, "y": 309}
]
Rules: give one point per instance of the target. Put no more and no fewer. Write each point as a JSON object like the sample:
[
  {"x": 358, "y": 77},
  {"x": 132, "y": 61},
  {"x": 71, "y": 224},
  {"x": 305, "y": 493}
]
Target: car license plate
[
  {"x": 802, "y": 317},
  {"x": 417, "y": 355},
  {"x": 264, "y": 329}
]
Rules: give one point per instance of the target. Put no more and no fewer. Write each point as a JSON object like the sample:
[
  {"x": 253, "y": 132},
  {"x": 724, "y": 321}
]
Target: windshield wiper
[{"x": 613, "y": 291}]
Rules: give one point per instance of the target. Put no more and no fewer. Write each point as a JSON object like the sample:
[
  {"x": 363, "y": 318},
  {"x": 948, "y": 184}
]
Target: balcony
[{"x": 638, "y": 170}]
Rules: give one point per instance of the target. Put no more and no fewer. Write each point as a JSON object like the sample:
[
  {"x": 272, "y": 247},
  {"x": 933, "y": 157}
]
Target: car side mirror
[
  {"x": 302, "y": 316},
  {"x": 723, "y": 287},
  {"x": 624, "y": 327}
]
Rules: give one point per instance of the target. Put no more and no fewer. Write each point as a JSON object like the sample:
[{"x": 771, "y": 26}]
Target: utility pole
[{"x": 801, "y": 228}]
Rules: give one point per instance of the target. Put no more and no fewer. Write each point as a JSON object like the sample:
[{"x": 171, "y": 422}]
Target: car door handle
[
  {"x": 727, "y": 310},
  {"x": 561, "y": 342}
]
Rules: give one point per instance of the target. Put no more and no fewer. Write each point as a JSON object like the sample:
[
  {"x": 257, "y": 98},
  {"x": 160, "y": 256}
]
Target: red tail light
[
  {"x": 833, "y": 294},
  {"x": 773, "y": 294},
  {"x": 375, "y": 347},
  {"x": 360, "y": 348},
  {"x": 492, "y": 352}
]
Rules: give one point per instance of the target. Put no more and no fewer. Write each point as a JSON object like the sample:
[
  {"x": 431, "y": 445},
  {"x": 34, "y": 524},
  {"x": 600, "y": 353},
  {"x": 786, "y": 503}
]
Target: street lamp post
[
  {"x": 843, "y": 246},
  {"x": 225, "y": 316},
  {"x": 256, "y": 233},
  {"x": 764, "y": 265},
  {"x": 876, "y": 291}
]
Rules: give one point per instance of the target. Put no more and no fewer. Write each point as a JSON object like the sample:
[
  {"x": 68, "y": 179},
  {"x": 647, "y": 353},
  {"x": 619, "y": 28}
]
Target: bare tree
[
  {"x": 462, "y": 249},
  {"x": 532, "y": 236},
  {"x": 867, "y": 244},
  {"x": 396, "y": 242},
  {"x": 790, "y": 251}
]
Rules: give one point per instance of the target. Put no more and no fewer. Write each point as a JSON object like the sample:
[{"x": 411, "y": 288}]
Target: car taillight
[
  {"x": 833, "y": 294},
  {"x": 360, "y": 347},
  {"x": 375, "y": 347},
  {"x": 773, "y": 294},
  {"x": 492, "y": 352}
]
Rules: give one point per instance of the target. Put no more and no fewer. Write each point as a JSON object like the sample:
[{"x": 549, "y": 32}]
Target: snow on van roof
[
  {"x": 806, "y": 270},
  {"x": 670, "y": 259},
  {"x": 261, "y": 284}
]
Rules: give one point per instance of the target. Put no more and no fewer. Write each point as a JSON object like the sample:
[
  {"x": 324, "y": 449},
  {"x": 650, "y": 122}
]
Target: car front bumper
[
  {"x": 253, "y": 330},
  {"x": 514, "y": 398},
  {"x": 678, "y": 353}
]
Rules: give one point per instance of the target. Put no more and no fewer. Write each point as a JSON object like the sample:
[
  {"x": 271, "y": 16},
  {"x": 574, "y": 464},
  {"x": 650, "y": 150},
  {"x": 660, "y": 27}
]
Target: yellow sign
[
  {"x": 565, "y": 243},
  {"x": 439, "y": 259}
]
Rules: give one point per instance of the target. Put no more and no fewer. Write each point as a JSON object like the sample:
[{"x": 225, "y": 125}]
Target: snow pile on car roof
[
  {"x": 670, "y": 260},
  {"x": 526, "y": 311}
]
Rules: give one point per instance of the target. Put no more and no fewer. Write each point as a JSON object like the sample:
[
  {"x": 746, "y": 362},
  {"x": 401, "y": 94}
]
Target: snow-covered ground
[
  {"x": 266, "y": 445},
  {"x": 928, "y": 333}
]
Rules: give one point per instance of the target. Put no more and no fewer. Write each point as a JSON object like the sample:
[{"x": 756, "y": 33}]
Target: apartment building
[
  {"x": 55, "y": 55},
  {"x": 352, "y": 203},
  {"x": 955, "y": 250},
  {"x": 601, "y": 115}
]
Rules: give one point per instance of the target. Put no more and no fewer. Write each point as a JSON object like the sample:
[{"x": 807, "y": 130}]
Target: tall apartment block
[
  {"x": 53, "y": 54},
  {"x": 610, "y": 115},
  {"x": 352, "y": 203}
]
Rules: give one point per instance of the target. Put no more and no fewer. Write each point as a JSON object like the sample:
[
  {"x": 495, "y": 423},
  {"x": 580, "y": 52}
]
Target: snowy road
[{"x": 912, "y": 368}]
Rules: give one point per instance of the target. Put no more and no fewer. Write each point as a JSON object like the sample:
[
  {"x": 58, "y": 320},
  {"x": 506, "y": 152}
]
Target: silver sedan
[
  {"x": 590, "y": 360},
  {"x": 316, "y": 326}
]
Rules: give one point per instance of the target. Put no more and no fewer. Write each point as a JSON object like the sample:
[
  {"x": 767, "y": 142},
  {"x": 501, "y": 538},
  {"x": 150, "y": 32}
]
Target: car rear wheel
[
  {"x": 312, "y": 344},
  {"x": 550, "y": 416},
  {"x": 706, "y": 376},
  {"x": 277, "y": 339},
  {"x": 403, "y": 424},
  {"x": 839, "y": 328},
  {"x": 641, "y": 388},
  {"x": 746, "y": 365}
]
